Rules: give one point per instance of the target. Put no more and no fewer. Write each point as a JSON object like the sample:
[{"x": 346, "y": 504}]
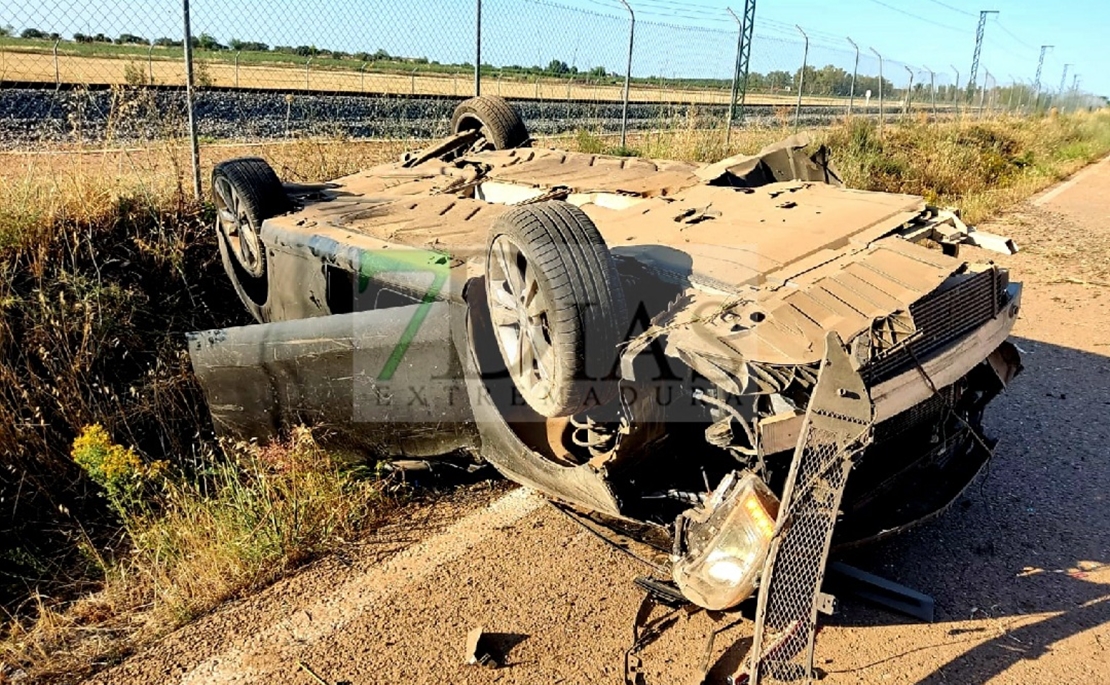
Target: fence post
[
  {"x": 956, "y": 90},
  {"x": 478, "y": 51},
  {"x": 801, "y": 78},
  {"x": 627, "y": 73},
  {"x": 57, "y": 73},
  {"x": 236, "y": 69},
  {"x": 735, "y": 75},
  {"x": 150, "y": 62},
  {"x": 909, "y": 92},
  {"x": 855, "y": 70},
  {"x": 983, "y": 91},
  {"x": 412, "y": 87},
  {"x": 194, "y": 143},
  {"x": 307, "y": 62},
  {"x": 362, "y": 78},
  {"x": 932, "y": 91},
  {"x": 880, "y": 90}
]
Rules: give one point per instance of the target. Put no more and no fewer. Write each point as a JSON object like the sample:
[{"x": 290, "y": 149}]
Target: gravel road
[{"x": 1019, "y": 568}]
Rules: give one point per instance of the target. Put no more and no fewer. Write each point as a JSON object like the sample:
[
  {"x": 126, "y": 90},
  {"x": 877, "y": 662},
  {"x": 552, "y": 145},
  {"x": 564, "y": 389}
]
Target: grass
[
  {"x": 113, "y": 537},
  {"x": 981, "y": 167},
  {"x": 105, "y": 263},
  {"x": 195, "y": 541}
]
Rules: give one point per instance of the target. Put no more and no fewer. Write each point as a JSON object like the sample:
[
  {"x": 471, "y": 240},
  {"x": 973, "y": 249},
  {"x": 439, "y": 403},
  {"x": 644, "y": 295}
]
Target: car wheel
[
  {"x": 556, "y": 306},
  {"x": 247, "y": 192},
  {"x": 498, "y": 121}
]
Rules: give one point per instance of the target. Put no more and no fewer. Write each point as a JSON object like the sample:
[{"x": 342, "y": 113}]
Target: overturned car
[{"x": 693, "y": 357}]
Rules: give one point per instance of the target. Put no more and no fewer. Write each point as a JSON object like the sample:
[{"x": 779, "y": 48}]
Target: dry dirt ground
[{"x": 1019, "y": 567}]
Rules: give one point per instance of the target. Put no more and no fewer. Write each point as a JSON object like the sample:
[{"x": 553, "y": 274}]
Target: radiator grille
[
  {"x": 928, "y": 413},
  {"x": 941, "y": 317}
]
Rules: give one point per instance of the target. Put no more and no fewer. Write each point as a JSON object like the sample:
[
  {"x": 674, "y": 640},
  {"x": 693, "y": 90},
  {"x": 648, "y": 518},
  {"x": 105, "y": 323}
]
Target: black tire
[
  {"x": 251, "y": 184},
  {"x": 499, "y": 122},
  {"x": 570, "y": 307}
]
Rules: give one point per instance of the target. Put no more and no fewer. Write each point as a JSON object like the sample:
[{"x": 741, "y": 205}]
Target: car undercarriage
[{"x": 740, "y": 366}]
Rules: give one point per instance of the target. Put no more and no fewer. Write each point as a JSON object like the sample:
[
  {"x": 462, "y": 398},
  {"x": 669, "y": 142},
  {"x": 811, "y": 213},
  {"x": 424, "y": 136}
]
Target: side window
[{"x": 339, "y": 289}]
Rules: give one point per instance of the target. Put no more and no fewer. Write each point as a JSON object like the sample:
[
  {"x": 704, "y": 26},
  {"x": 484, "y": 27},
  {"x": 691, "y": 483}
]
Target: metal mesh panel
[
  {"x": 562, "y": 67},
  {"x": 928, "y": 413},
  {"x": 838, "y": 426},
  {"x": 798, "y": 568},
  {"x": 363, "y": 69}
]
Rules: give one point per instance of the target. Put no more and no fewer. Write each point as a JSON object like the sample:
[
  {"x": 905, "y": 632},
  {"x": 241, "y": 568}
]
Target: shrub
[
  {"x": 119, "y": 470},
  {"x": 136, "y": 74},
  {"x": 249, "y": 517}
]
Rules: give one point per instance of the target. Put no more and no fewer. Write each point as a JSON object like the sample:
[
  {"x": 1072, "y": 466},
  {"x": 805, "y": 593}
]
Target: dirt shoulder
[{"x": 1018, "y": 568}]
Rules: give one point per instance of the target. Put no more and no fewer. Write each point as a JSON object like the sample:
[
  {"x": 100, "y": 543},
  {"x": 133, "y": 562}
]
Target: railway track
[{"x": 31, "y": 114}]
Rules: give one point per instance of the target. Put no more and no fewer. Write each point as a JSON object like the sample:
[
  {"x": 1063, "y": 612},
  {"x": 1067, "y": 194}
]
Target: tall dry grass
[
  {"x": 106, "y": 261},
  {"x": 980, "y": 166},
  {"x": 195, "y": 540},
  {"x": 97, "y": 287}
]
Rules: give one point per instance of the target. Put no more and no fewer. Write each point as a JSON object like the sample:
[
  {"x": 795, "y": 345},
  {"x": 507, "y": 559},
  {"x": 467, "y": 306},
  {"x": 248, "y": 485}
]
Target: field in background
[
  {"x": 336, "y": 76},
  {"x": 106, "y": 261}
]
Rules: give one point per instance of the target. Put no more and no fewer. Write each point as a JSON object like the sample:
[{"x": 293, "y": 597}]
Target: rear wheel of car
[
  {"x": 498, "y": 121},
  {"x": 556, "y": 306},
  {"x": 247, "y": 192}
]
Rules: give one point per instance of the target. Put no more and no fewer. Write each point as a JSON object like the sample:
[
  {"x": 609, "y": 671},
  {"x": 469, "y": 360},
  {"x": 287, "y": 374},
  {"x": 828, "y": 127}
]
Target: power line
[
  {"x": 1010, "y": 33},
  {"x": 672, "y": 5},
  {"x": 954, "y": 9},
  {"x": 789, "y": 28},
  {"x": 666, "y": 11},
  {"x": 595, "y": 9},
  {"x": 652, "y": 15},
  {"x": 899, "y": 10},
  {"x": 1007, "y": 44}
]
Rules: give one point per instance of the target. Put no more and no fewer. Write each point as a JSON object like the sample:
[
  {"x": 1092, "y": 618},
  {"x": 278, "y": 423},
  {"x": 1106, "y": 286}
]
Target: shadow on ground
[{"x": 1030, "y": 536}]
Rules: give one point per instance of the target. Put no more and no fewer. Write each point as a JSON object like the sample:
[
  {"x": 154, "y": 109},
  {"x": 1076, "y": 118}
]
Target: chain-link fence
[
  {"x": 69, "y": 71},
  {"x": 96, "y": 71}
]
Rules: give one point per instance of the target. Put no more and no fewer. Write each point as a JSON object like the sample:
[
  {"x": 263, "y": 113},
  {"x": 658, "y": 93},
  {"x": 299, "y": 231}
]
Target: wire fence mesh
[
  {"x": 102, "y": 71},
  {"x": 76, "y": 72}
]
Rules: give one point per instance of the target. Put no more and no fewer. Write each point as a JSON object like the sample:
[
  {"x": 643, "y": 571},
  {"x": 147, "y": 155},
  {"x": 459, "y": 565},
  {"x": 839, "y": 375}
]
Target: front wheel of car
[{"x": 556, "y": 306}]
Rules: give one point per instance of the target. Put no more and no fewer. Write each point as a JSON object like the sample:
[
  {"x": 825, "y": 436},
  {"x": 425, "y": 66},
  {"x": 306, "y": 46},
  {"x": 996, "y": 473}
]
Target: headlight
[{"x": 721, "y": 546}]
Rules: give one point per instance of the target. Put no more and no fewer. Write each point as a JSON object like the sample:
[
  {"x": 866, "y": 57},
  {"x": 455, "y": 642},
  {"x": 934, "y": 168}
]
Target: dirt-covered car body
[{"x": 739, "y": 284}]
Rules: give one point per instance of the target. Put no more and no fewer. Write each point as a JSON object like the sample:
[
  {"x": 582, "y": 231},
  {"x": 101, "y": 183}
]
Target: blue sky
[
  {"x": 674, "y": 37},
  {"x": 938, "y": 34}
]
